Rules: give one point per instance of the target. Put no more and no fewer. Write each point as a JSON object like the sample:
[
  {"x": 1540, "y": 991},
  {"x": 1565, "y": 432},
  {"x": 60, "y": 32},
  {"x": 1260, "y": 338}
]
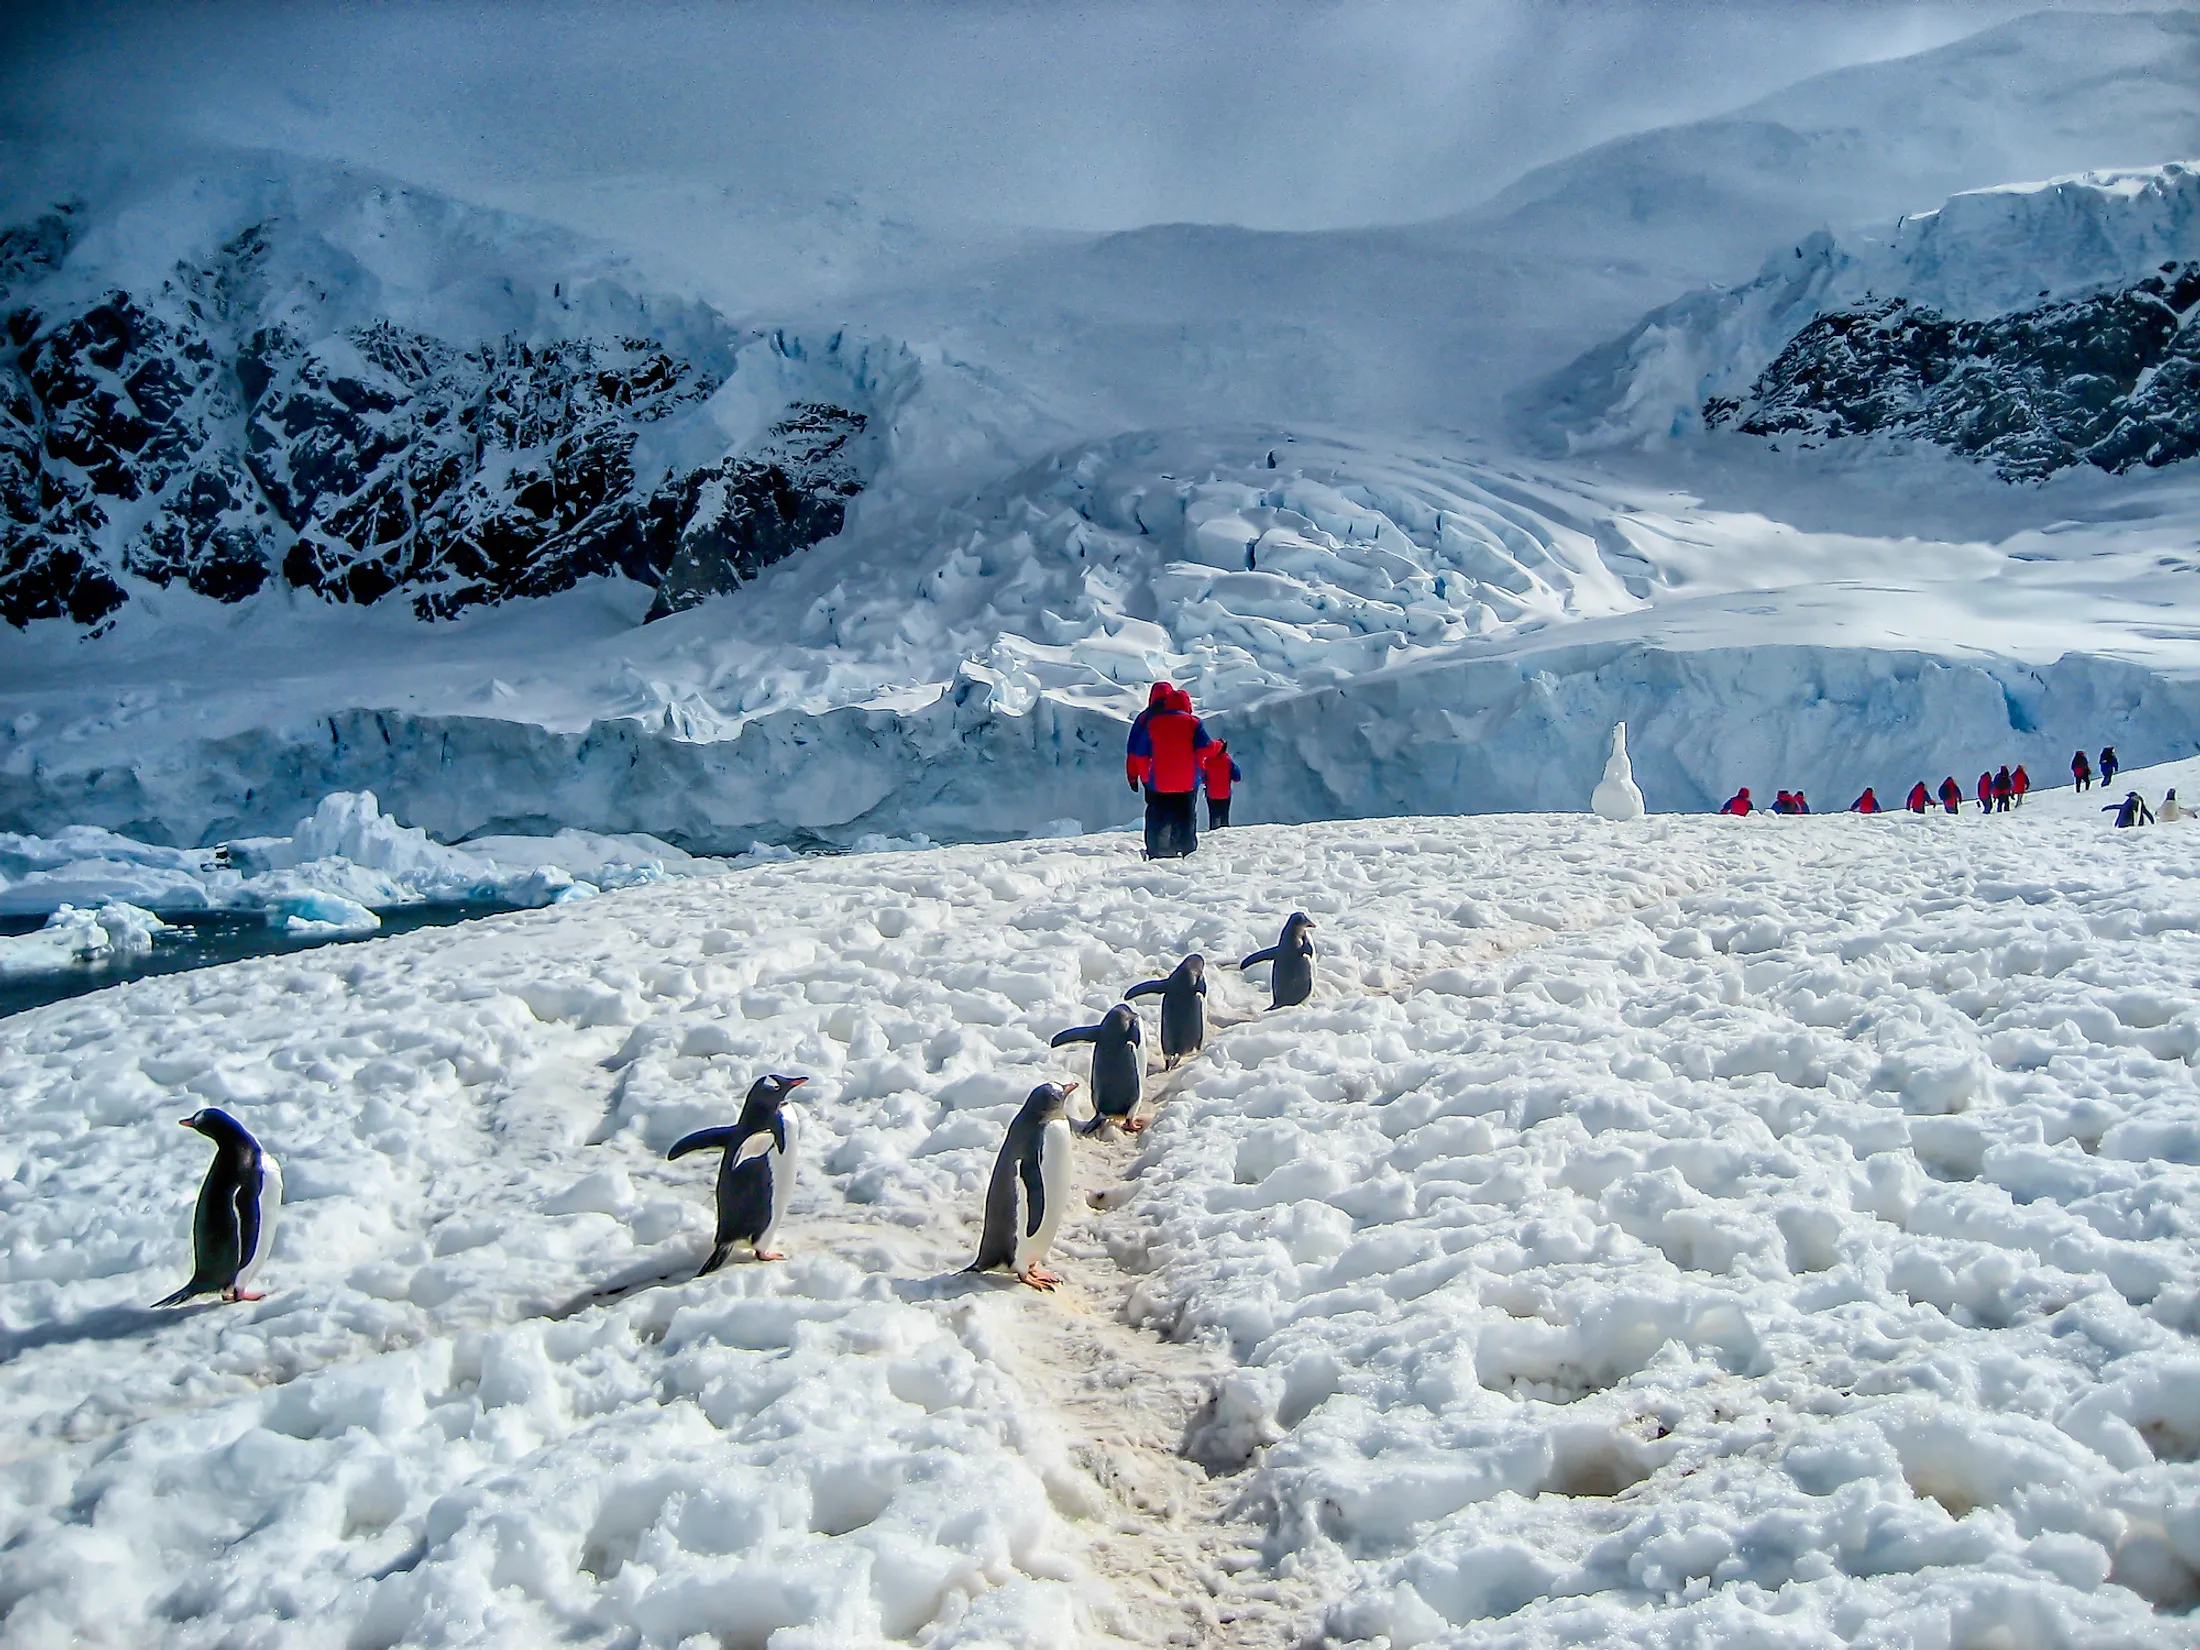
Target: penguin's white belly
[
  {"x": 271, "y": 1206},
  {"x": 781, "y": 1161},
  {"x": 1056, "y": 1171}
]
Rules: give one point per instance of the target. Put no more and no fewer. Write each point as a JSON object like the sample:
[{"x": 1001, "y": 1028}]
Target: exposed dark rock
[
  {"x": 748, "y": 512},
  {"x": 181, "y": 436},
  {"x": 2112, "y": 379}
]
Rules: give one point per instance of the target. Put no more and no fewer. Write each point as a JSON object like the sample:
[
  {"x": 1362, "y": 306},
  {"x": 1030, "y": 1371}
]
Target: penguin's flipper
[
  {"x": 1076, "y": 1034},
  {"x": 1035, "y": 1194},
  {"x": 1146, "y": 988},
  {"x": 1266, "y": 954},
  {"x": 702, "y": 1140}
]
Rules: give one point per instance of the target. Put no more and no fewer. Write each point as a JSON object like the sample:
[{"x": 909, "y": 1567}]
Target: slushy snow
[{"x": 1769, "y": 1231}]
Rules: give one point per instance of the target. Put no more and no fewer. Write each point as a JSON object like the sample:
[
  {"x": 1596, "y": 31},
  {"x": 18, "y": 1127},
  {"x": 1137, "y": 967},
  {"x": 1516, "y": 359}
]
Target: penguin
[
  {"x": 1183, "y": 1009},
  {"x": 1118, "y": 1066},
  {"x": 756, "y": 1174},
  {"x": 234, "y": 1225},
  {"x": 1292, "y": 980},
  {"x": 1030, "y": 1189}
]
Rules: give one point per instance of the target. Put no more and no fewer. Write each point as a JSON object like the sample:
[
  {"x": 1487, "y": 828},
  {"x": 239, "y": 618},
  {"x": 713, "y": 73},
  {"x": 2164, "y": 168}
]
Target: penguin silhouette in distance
[
  {"x": 1030, "y": 1189},
  {"x": 1183, "y": 1008},
  {"x": 1291, "y": 981},
  {"x": 1118, "y": 1066},
  {"x": 233, "y": 1227},
  {"x": 756, "y": 1174}
]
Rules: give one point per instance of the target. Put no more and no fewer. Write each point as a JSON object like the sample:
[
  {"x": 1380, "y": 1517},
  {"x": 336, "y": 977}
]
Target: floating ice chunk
[
  {"x": 318, "y": 913},
  {"x": 1616, "y": 796},
  {"x": 76, "y": 938}
]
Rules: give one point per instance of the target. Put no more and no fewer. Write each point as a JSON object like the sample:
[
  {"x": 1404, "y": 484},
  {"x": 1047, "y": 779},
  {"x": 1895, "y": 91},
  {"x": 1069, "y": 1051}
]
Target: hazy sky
[{"x": 1088, "y": 116}]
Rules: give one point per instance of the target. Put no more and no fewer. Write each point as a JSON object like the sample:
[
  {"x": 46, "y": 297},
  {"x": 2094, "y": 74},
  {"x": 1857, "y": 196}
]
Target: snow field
[
  {"x": 1810, "y": 1260},
  {"x": 1693, "y": 1231}
]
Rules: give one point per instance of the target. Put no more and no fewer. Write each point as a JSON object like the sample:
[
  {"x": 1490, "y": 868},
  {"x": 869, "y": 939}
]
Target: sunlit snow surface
[{"x": 1693, "y": 1232}]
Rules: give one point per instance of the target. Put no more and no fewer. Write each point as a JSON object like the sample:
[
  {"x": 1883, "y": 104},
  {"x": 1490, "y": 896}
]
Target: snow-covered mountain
[
  {"x": 415, "y": 474},
  {"x": 2037, "y": 326},
  {"x": 451, "y": 420}
]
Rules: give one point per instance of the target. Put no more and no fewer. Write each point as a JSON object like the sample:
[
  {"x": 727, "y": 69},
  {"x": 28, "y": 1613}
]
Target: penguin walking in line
[
  {"x": 1183, "y": 1009},
  {"x": 1030, "y": 1189},
  {"x": 234, "y": 1225},
  {"x": 756, "y": 1174},
  {"x": 1291, "y": 981},
  {"x": 1118, "y": 1066}
]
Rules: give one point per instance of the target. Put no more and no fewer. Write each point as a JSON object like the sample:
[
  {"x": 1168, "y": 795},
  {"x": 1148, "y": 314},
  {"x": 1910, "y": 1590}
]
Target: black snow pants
[
  {"x": 1218, "y": 813},
  {"x": 1172, "y": 827}
]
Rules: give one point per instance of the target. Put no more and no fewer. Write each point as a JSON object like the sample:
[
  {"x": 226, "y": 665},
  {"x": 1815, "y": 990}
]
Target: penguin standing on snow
[
  {"x": 1183, "y": 1009},
  {"x": 1030, "y": 1189},
  {"x": 1292, "y": 979},
  {"x": 756, "y": 1174},
  {"x": 234, "y": 1225},
  {"x": 1118, "y": 1066}
]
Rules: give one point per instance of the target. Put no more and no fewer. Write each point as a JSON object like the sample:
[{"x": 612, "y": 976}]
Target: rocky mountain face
[
  {"x": 2111, "y": 379},
  {"x": 194, "y": 435}
]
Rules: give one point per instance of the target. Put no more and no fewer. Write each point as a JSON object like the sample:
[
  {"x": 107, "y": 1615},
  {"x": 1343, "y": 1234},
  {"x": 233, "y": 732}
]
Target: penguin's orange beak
[
  {"x": 796, "y": 1082},
  {"x": 183, "y": 1122},
  {"x": 1068, "y": 1089}
]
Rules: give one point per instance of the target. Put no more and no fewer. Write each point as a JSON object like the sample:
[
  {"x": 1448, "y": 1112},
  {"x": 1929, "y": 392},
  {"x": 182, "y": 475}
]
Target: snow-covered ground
[{"x": 1690, "y": 1232}]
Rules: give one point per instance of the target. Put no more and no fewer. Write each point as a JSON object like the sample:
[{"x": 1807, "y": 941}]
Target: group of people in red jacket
[
  {"x": 1171, "y": 754},
  {"x": 1998, "y": 792}
]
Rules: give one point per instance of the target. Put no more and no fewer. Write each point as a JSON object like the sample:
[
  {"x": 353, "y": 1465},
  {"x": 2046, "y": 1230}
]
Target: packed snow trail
[{"x": 1695, "y": 1229}]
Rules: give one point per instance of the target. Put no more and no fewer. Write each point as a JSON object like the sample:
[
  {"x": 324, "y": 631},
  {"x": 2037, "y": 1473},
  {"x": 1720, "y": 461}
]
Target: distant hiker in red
[
  {"x": 1799, "y": 804},
  {"x": 1920, "y": 798},
  {"x": 1869, "y": 803},
  {"x": 1738, "y": 803},
  {"x": 2004, "y": 789},
  {"x": 1220, "y": 770},
  {"x": 1951, "y": 794},
  {"x": 1985, "y": 793},
  {"x": 1164, "y": 754},
  {"x": 2109, "y": 765},
  {"x": 2019, "y": 783},
  {"x": 2081, "y": 771},
  {"x": 1782, "y": 803}
]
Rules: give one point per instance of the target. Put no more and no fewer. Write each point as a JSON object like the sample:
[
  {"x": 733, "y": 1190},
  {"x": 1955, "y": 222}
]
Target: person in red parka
[
  {"x": 1985, "y": 793},
  {"x": 1738, "y": 803},
  {"x": 2019, "y": 783},
  {"x": 1920, "y": 798},
  {"x": 1164, "y": 755},
  {"x": 1220, "y": 770},
  {"x": 2004, "y": 788},
  {"x": 1951, "y": 794},
  {"x": 1868, "y": 803},
  {"x": 2081, "y": 770}
]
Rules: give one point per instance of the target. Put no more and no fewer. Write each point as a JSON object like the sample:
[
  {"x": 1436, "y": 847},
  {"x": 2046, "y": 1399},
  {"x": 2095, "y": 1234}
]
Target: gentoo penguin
[
  {"x": 234, "y": 1225},
  {"x": 1118, "y": 1066},
  {"x": 1030, "y": 1189},
  {"x": 756, "y": 1174},
  {"x": 1183, "y": 1008},
  {"x": 1292, "y": 980}
]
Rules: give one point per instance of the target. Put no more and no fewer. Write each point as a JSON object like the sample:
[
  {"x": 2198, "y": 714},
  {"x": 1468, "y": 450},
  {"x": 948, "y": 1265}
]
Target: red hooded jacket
[
  {"x": 1920, "y": 797},
  {"x": 1219, "y": 771},
  {"x": 1738, "y": 803},
  {"x": 1166, "y": 747}
]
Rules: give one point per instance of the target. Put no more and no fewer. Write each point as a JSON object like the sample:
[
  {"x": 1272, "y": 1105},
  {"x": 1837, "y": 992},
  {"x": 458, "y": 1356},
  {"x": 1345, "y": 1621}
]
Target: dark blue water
[{"x": 200, "y": 939}]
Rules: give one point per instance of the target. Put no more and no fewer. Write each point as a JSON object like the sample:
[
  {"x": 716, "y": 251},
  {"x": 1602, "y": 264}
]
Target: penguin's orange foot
[
  {"x": 1037, "y": 1279},
  {"x": 242, "y": 1295},
  {"x": 1133, "y": 1125},
  {"x": 771, "y": 1254}
]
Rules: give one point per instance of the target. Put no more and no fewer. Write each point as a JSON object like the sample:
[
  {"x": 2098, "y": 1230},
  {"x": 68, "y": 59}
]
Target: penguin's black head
[
  {"x": 1121, "y": 1021},
  {"x": 1297, "y": 923},
  {"x": 1193, "y": 967},
  {"x": 218, "y": 1126},
  {"x": 775, "y": 1088},
  {"x": 1050, "y": 1100}
]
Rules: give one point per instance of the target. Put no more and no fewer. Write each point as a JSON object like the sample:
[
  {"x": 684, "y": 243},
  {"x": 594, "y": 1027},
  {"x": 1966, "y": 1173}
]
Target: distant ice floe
[{"x": 343, "y": 863}]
